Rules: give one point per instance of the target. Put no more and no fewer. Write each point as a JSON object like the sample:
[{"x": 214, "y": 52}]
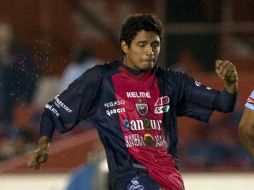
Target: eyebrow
[{"x": 145, "y": 41}]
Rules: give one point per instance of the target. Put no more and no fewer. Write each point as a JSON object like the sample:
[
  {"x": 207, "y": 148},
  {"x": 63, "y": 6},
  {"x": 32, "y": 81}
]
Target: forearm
[
  {"x": 46, "y": 126},
  {"x": 225, "y": 101},
  {"x": 246, "y": 137},
  {"x": 46, "y": 132}
]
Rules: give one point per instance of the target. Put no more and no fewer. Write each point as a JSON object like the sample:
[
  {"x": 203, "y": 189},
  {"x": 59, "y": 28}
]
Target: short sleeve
[{"x": 250, "y": 101}]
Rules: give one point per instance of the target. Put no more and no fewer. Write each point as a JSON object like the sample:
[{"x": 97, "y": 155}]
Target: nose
[{"x": 149, "y": 50}]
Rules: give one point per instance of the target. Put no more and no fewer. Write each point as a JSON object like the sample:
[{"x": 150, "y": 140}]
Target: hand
[
  {"x": 40, "y": 154},
  {"x": 227, "y": 71}
]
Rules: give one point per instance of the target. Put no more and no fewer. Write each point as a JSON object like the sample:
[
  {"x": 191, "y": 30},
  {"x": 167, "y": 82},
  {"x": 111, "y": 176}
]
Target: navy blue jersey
[{"x": 135, "y": 115}]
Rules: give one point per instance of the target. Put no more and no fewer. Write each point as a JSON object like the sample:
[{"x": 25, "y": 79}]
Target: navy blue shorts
[{"x": 142, "y": 182}]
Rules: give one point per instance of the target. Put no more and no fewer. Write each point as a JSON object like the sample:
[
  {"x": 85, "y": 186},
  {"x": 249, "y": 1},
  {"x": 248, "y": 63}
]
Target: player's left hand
[{"x": 227, "y": 71}]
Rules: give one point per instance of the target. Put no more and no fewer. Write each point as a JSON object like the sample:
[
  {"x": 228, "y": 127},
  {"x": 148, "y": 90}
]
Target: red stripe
[
  {"x": 161, "y": 166},
  {"x": 250, "y": 100}
]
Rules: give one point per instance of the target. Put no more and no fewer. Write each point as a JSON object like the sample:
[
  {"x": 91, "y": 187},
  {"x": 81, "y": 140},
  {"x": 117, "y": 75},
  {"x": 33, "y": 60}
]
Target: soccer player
[
  {"x": 133, "y": 104},
  {"x": 246, "y": 125}
]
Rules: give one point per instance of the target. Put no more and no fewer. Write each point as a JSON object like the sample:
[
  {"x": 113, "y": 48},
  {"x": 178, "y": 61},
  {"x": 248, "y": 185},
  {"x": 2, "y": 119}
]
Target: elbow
[
  {"x": 227, "y": 109},
  {"x": 241, "y": 133}
]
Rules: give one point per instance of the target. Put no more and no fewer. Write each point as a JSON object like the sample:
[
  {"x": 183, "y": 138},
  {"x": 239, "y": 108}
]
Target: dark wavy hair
[{"x": 138, "y": 22}]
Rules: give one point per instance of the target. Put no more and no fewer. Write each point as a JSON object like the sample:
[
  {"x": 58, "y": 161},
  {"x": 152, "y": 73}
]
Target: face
[{"x": 143, "y": 51}]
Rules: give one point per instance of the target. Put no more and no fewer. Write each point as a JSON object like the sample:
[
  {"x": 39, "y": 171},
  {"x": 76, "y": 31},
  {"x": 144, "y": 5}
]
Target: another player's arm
[{"x": 246, "y": 130}]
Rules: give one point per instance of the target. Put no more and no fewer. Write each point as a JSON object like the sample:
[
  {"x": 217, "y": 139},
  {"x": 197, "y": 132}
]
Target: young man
[
  {"x": 246, "y": 126},
  {"x": 134, "y": 104}
]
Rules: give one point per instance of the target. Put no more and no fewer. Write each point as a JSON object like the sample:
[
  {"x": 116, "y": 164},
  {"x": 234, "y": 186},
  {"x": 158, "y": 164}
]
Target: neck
[{"x": 132, "y": 70}]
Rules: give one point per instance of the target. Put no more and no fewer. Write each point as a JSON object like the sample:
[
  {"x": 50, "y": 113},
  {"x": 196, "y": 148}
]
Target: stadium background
[{"x": 196, "y": 33}]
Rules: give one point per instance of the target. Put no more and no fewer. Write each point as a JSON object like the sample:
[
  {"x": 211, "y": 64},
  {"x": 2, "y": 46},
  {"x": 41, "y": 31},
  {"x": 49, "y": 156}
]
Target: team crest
[{"x": 142, "y": 108}]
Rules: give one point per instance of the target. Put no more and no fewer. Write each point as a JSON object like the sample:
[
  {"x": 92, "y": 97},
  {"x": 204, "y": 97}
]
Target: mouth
[{"x": 149, "y": 60}]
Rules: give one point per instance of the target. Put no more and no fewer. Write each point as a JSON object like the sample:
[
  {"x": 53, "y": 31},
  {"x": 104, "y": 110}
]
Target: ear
[{"x": 125, "y": 47}]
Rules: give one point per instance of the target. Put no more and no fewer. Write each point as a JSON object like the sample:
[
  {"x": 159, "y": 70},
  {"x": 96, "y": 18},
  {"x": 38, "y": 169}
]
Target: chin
[{"x": 148, "y": 67}]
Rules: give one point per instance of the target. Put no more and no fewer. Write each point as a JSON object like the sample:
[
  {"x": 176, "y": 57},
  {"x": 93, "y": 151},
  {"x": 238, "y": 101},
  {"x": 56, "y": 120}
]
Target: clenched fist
[
  {"x": 40, "y": 154},
  {"x": 227, "y": 71}
]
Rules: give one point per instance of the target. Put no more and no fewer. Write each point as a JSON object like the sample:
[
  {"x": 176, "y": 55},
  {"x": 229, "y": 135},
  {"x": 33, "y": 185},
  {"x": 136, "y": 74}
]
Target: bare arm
[{"x": 246, "y": 130}]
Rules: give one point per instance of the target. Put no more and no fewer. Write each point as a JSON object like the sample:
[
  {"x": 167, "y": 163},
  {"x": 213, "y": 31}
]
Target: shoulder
[
  {"x": 101, "y": 70},
  {"x": 110, "y": 65},
  {"x": 171, "y": 74},
  {"x": 252, "y": 94}
]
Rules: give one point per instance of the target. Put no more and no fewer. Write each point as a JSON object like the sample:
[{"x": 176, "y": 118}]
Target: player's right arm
[
  {"x": 65, "y": 111},
  {"x": 40, "y": 154}
]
